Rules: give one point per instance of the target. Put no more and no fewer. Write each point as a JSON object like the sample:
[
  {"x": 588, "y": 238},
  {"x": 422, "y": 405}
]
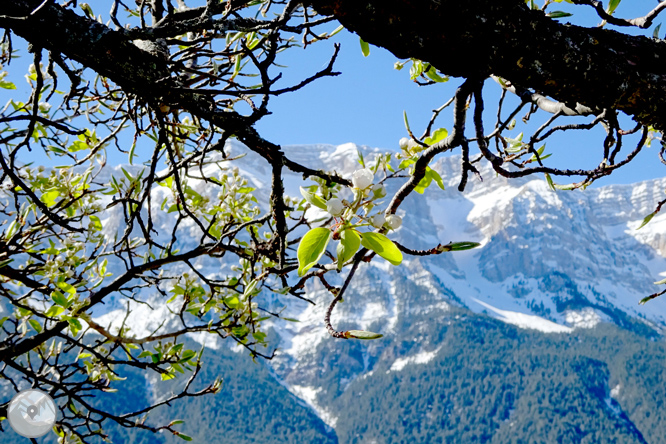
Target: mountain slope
[{"x": 535, "y": 337}]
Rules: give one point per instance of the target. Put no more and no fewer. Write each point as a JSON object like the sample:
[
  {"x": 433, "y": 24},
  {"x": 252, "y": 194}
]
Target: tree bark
[{"x": 596, "y": 67}]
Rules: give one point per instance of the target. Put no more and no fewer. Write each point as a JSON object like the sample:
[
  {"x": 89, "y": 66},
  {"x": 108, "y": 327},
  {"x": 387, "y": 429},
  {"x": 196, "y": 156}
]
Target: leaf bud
[{"x": 379, "y": 191}]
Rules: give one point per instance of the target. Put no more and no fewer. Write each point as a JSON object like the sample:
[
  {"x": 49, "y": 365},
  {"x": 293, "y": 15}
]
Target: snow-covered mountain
[
  {"x": 537, "y": 244},
  {"x": 560, "y": 265},
  {"x": 550, "y": 260},
  {"x": 567, "y": 257}
]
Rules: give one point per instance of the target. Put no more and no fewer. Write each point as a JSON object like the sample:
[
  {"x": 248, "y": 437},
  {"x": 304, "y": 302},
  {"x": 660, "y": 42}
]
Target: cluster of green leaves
[{"x": 347, "y": 223}]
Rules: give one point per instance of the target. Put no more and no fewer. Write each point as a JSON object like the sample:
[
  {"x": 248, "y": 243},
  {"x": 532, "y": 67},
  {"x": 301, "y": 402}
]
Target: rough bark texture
[{"x": 596, "y": 67}]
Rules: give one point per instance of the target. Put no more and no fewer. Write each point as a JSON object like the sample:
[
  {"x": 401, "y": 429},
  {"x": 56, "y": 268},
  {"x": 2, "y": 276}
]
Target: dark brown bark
[{"x": 596, "y": 67}]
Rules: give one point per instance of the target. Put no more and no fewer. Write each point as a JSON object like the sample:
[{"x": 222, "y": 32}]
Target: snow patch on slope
[
  {"x": 419, "y": 358},
  {"x": 526, "y": 321},
  {"x": 309, "y": 395},
  {"x": 586, "y": 318}
]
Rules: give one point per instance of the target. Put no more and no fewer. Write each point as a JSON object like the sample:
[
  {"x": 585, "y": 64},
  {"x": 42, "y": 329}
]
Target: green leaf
[
  {"x": 432, "y": 74},
  {"x": 416, "y": 69},
  {"x": 362, "y": 334},
  {"x": 67, "y": 288},
  {"x": 361, "y": 160},
  {"x": 551, "y": 184},
  {"x": 313, "y": 199},
  {"x": 365, "y": 48},
  {"x": 75, "y": 326},
  {"x": 312, "y": 247},
  {"x": 655, "y": 34},
  {"x": 182, "y": 436},
  {"x": 35, "y": 325},
  {"x": 461, "y": 246},
  {"x": 434, "y": 175},
  {"x": 407, "y": 162},
  {"x": 404, "y": 115},
  {"x": 349, "y": 244},
  {"x": 423, "y": 184},
  {"x": 647, "y": 219},
  {"x": 232, "y": 301},
  {"x": 54, "y": 311},
  {"x": 559, "y": 14},
  {"x": 249, "y": 288},
  {"x": 437, "y": 136},
  {"x": 60, "y": 299},
  {"x": 383, "y": 246},
  {"x": 95, "y": 223},
  {"x": 186, "y": 356},
  {"x": 663, "y": 281},
  {"x": 49, "y": 197},
  {"x": 336, "y": 30},
  {"x": 612, "y": 5},
  {"x": 7, "y": 85}
]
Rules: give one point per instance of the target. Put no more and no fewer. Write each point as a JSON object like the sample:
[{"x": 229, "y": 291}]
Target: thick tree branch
[{"x": 596, "y": 67}]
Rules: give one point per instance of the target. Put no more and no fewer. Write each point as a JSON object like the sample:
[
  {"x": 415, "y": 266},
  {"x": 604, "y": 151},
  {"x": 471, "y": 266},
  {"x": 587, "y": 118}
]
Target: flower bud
[
  {"x": 44, "y": 107},
  {"x": 362, "y": 179},
  {"x": 393, "y": 221},
  {"x": 404, "y": 143},
  {"x": 379, "y": 191},
  {"x": 378, "y": 220},
  {"x": 334, "y": 206}
]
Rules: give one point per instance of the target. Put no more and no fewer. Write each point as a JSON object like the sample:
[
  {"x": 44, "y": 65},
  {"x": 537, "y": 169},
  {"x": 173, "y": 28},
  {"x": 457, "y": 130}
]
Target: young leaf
[
  {"x": 432, "y": 74},
  {"x": 383, "y": 246},
  {"x": 313, "y": 199},
  {"x": 559, "y": 14},
  {"x": 655, "y": 34},
  {"x": 312, "y": 247},
  {"x": 60, "y": 299},
  {"x": 365, "y": 48},
  {"x": 35, "y": 325},
  {"x": 50, "y": 197},
  {"x": 461, "y": 246},
  {"x": 361, "y": 160},
  {"x": 647, "y": 219},
  {"x": 434, "y": 175},
  {"x": 437, "y": 136},
  {"x": 551, "y": 184},
  {"x": 350, "y": 241},
  {"x": 423, "y": 184},
  {"x": 404, "y": 115},
  {"x": 362, "y": 334},
  {"x": 612, "y": 5},
  {"x": 663, "y": 281}
]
